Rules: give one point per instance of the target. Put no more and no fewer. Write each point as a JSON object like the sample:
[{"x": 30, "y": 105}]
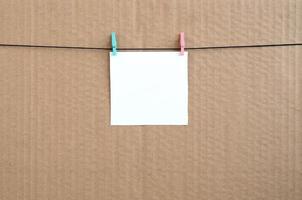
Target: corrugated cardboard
[{"x": 244, "y": 139}]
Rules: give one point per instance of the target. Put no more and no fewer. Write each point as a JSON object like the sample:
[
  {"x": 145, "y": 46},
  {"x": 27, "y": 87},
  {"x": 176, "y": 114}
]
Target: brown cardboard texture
[{"x": 244, "y": 139}]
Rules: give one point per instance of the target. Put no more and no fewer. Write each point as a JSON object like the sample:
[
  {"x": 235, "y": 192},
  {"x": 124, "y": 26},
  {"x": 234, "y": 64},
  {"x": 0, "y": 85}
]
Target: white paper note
[{"x": 149, "y": 88}]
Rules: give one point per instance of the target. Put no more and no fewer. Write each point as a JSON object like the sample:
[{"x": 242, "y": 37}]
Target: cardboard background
[{"x": 244, "y": 136}]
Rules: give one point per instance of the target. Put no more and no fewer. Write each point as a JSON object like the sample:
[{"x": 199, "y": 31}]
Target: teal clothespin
[{"x": 114, "y": 43}]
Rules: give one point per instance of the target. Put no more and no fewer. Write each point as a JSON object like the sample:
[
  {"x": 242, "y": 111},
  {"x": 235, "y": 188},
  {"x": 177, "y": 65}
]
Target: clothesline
[{"x": 150, "y": 49}]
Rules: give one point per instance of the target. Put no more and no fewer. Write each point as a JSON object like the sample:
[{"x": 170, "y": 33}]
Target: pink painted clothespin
[{"x": 182, "y": 43}]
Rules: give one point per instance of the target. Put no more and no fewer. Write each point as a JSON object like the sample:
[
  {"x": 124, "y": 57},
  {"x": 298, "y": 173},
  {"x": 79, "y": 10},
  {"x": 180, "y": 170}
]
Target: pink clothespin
[{"x": 182, "y": 43}]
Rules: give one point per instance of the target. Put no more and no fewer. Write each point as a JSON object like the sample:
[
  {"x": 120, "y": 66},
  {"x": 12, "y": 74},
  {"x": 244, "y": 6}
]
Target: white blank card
[{"x": 149, "y": 88}]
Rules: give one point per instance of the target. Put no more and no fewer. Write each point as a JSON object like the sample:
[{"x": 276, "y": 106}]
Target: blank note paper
[{"x": 149, "y": 88}]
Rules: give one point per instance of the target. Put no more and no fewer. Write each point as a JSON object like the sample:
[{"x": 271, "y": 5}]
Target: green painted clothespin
[{"x": 114, "y": 43}]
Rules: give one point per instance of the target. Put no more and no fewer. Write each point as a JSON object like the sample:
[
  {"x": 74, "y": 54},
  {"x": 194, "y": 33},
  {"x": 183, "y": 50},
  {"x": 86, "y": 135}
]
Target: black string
[{"x": 151, "y": 49}]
